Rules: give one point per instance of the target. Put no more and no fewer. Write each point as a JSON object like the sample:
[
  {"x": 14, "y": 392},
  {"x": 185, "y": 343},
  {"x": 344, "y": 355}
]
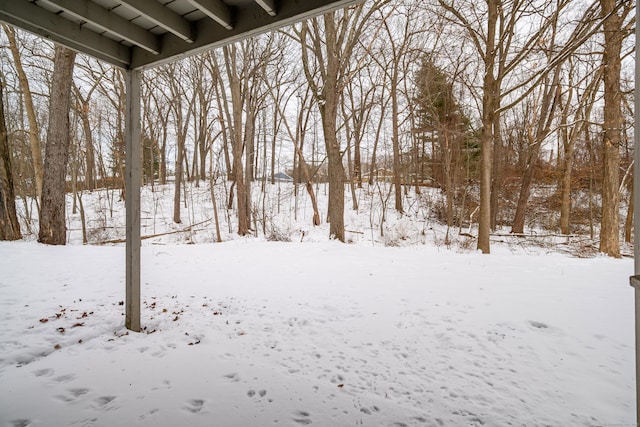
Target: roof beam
[
  {"x": 39, "y": 21},
  {"x": 269, "y": 6},
  {"x": 249, "y": 20},
  {"x": 216, "y": 10},
  {"x": 163, "y": 17},
  {"x": 110, "y": 22}
]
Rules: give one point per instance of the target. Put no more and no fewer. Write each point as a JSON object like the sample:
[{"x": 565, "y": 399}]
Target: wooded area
[{"x": 520, "y": 113}]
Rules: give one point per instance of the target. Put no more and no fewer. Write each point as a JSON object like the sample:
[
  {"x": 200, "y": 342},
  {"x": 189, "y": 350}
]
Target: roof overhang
[{"x": 135, "y": 34}]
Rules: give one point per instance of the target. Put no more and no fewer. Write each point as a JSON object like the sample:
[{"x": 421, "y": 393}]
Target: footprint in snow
[
  {"x": 302, "y": 417},
  {"x": 233, "y": 376},
  {"x": 538, "y": 325},
  {"x": 43, "y": 372},
  {"x": 194, "y": 405},
  {"x": 102, "y": 402},
  {"x": 20, "y": 423},
  {"x": 64, "y": 378},
  {"x": 260, "y": 393},
  {"x": 72, "y": 395}
]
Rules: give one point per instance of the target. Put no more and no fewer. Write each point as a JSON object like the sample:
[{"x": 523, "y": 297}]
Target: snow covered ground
[
  {"x": 393, "y": 329},
  {"x": 255, "y": 333}
]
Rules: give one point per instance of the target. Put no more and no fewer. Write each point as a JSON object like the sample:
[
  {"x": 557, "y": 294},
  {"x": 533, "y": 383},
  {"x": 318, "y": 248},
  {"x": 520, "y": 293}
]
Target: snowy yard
[{"x": 256, "y": 333}]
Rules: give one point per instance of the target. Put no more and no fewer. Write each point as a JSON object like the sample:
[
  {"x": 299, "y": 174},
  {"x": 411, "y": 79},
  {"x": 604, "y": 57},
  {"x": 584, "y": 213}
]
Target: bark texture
[
  {"x": 612, "y": 136},
  {"x": 9, "y": 225},
  {"x": 486, "y": 139},
  {"x": 53, "y": 229},
  {"x": 34, "y": 132}
]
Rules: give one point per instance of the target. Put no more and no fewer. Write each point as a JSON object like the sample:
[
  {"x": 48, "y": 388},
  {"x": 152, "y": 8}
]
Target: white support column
[{"x": 133, "y": 172}]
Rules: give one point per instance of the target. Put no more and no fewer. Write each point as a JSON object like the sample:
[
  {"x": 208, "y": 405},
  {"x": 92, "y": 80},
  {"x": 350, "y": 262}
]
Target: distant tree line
[{"x": 508, "y": 108}]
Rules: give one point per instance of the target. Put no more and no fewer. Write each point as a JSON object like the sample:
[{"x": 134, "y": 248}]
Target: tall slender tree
[
  {"x": 34, "y": 132},
  {"x": 614, "y": 14},
  {"x": 53, "y": 230},
  {"x": 327, "y": 47},
  {"x": 9, "y": 225}
]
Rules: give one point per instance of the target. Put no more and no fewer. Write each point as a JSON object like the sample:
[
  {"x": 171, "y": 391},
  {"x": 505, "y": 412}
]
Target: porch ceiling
[{"x": 143, "y": 33}]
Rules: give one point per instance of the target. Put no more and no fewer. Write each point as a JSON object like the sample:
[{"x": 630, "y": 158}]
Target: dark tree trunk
[
  {"x": 9, "y": 225},
  {"x": 53, "y": 230},
  {"x": 489, "y": 94},
  {"x": 497, "y": 173},
  {"x": 178, "y": 180},
  {"x": 543, "y": 128},
  {"x": 90, "y": 182},
  {"x": 613, "y": 125},
  {"x": 329, "y": 113},
  {"x": 397, "y": 172}
]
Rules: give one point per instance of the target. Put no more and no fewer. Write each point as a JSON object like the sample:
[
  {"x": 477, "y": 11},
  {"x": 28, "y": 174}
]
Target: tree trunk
[
  {"x": 542, "y": 128},
  {"x": 332, "y": 47},
  {"x": 497, "y": 175},
  {"x": 249, "y": 143},
  {"x": 486, "y": 138},
  {"x": 329, "y": 114},
  {"x": 90, "y": 182},
  {"x": 237, "y": 141},
  {"x": 53, "y": 230},
  {"x": 613, "y": 122},
  {"x": 357, "y": 159},
  {"x": 352, "y": 179},
  {"x": 178, "y": 178},
  {"x": 569, "y": 139},
  {"x": 568, "y": 145},
  {"x": 34, "y": 136},
  {"x": 628, "y": 224},
  {"x": 397, "y": 173},
  {"x": 273, "y": 146},
  {"x": 565, "y": 198},
  {"x": 9, "y": 225},
  {"x": 448, "y": 179}
]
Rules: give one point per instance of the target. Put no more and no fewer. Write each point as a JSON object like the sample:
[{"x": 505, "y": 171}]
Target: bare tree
[
  {"x": 178, "y": 94},
  {"x": 539, "y": 128},
  {"x": 53, "y": 230},
  {"x": 157, "y": 111},
  {"x": 400, "y": 30},
  {"x": 569, "y": 134},
  {"x": 34, "y": 132},
  {"x": 9, "y": 225},
  {"x": 327, "y": 46},
  {"x": 236, "y": 76},
  {"x": 83, "y": 108},
  {"x": 485, "y": 43},
  {"x": 505, "y": 48},
  {"x": 614, "y": 15}
]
